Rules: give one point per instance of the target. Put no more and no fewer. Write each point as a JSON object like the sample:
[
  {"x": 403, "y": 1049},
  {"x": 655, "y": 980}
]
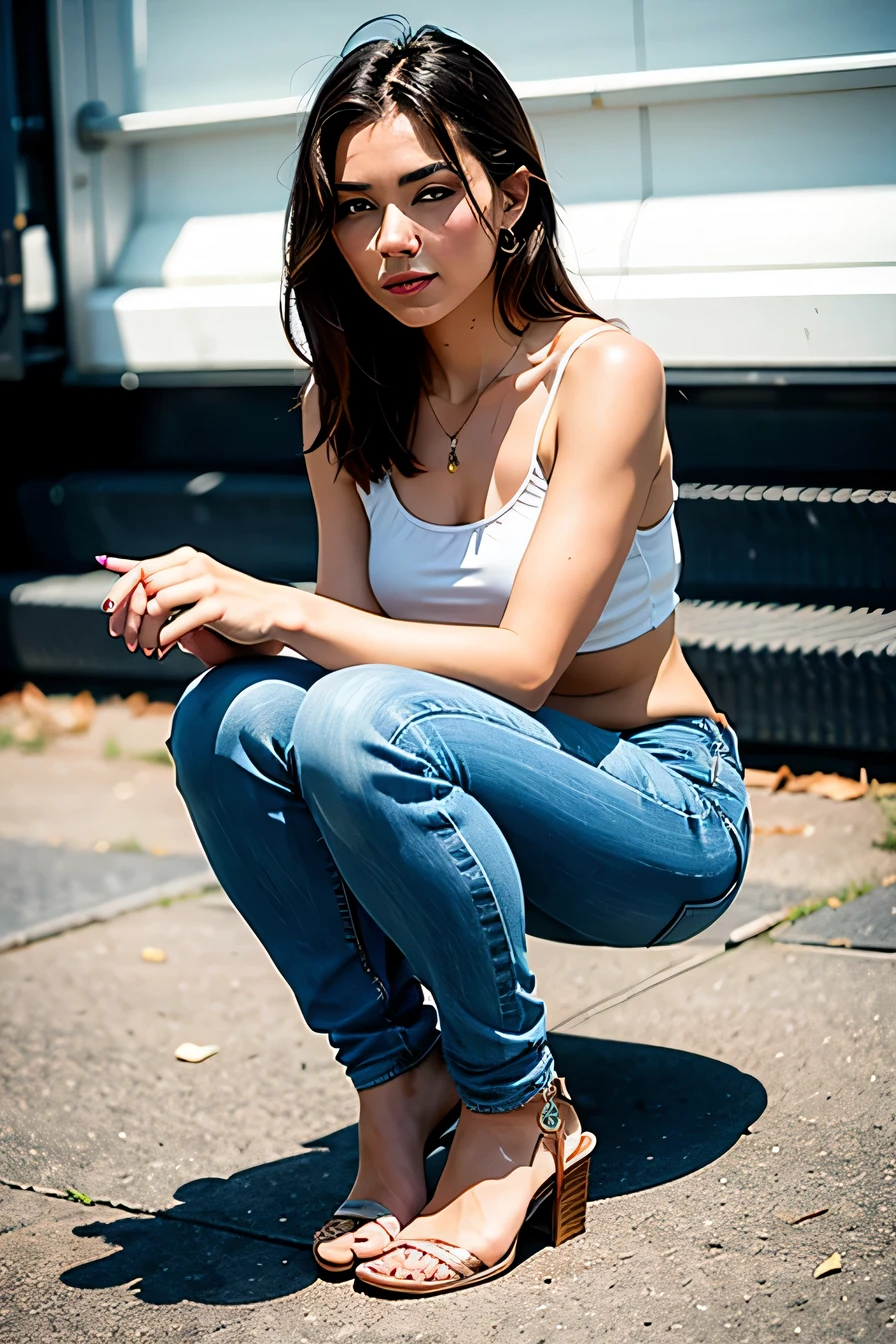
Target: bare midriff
[{"x": 633, "y": 684}]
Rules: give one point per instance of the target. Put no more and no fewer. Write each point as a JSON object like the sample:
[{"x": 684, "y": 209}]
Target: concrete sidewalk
[{"x": 728, "y": 1098}]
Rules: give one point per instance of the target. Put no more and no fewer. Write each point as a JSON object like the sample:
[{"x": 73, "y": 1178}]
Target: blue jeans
[{"x": 382, "y": 829}]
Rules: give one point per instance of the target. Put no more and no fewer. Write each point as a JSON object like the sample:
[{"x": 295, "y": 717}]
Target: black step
[
  {"x": 774, "y": 543},
  {"x": 263, "y": 524},
  {"x": 797, "y": 675}
]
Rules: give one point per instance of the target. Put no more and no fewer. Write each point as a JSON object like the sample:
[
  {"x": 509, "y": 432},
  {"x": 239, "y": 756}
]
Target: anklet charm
[{"x": 549, "y": 1120}]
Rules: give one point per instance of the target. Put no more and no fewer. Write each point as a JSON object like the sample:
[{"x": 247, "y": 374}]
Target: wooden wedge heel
[{"x": 564, "y": 1195}]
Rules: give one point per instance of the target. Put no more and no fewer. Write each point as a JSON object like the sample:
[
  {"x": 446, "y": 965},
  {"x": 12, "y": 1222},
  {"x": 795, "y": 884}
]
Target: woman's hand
[{"x": 158, "y": 602}]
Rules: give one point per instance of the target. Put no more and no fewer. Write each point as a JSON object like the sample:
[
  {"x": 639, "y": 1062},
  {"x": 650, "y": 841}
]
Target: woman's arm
[{"x": 611, "y": 417}]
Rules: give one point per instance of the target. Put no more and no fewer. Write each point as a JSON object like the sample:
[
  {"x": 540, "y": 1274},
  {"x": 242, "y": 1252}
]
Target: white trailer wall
[{"x": 737, "y": 223}]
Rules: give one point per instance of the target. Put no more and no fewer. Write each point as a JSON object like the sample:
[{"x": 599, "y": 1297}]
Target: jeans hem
[
  {"x": 404, "y": 1066},
  {"x": 524, "y": 1092}
]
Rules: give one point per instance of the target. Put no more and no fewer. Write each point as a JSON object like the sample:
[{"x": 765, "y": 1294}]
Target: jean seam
[
  {"x": 505, "y": 979},
  {"x": 462, "y": 714},
  {"x": 465, "y": 713}
]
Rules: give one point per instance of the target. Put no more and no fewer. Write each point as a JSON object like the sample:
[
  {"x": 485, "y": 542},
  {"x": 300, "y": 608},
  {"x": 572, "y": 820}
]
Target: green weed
[
  {"x": 850, "y": 892},
  {"x": 160, "y": 757},
  {"x": 111, "y": 751},
  {"x": 77, "y": 1196}
]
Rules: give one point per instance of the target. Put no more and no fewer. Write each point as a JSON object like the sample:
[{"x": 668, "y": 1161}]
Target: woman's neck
[{"x": 469, "y": 346}]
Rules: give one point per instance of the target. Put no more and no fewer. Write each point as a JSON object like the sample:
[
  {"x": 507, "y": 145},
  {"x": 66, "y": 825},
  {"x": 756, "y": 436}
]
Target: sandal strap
[
  {"x": 452, "y": 1256},
  {"x": 367, "y": 1209},
  {"x": 352, "y": 1214}
]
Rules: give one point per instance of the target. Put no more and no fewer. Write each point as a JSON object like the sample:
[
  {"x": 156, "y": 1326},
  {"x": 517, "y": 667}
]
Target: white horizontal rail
[{"x": 98, "y": 127}]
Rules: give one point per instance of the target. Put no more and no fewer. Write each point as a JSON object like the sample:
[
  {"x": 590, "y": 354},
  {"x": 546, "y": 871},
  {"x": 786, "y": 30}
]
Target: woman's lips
[{"x": 412, "y": 286}]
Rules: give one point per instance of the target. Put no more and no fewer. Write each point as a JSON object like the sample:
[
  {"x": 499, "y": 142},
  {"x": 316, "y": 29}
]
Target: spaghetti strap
[{"x": 580, "y": 340}]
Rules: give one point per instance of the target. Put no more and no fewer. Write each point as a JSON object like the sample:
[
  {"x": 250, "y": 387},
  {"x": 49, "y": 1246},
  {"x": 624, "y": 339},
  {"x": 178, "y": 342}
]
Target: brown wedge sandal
[
  {"x": 354, "y": 1213},
  {"x": 566, "y": 1194}
]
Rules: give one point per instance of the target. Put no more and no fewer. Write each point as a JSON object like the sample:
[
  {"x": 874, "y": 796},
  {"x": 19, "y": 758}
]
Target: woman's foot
[
  {"x": 484, "y": 1193},
  {"x": 394, "y": 1122}
]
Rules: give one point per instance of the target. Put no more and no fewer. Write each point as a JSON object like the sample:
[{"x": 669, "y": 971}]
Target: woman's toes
[
  {"x": 339, "y": 1252},
  {"x": 373, "y": 1238}
]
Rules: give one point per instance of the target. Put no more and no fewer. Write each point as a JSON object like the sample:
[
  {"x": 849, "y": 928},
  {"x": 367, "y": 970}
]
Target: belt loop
[{"x": 716, "y": 761}]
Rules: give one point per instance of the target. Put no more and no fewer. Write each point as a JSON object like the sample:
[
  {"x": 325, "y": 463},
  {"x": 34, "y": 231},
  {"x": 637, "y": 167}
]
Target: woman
[{"x": 491, "y": 725}]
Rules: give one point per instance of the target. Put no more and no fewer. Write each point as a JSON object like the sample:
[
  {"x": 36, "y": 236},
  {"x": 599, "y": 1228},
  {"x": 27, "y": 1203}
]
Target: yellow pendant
[{"x": 453, "y": 463}]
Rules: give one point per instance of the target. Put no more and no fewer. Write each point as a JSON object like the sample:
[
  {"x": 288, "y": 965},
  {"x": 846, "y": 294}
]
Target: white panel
[
  {"x": 714, "y": 321},
  {"x": 771, "y": 144},
  {"x": 227, "y": 249},
  {"x": 203, "y": 326},
  {"x": 144, "y": 256},
  {"x": 38, "y": 271},
  {"x": 218, "y": 174},
  {"x": 825, "y": 227},
  {"x": 591, "y": 156},
  {"x": 208, "y": 51},
  {"x": 598, "y": 235},
  {"x": 709, "y": 32}
]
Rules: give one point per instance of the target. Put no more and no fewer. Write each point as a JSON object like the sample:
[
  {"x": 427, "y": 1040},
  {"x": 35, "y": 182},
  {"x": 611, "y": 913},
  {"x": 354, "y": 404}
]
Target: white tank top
[{"x": 463, "y": 573}]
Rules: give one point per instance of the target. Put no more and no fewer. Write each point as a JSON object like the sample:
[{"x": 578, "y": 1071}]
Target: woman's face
[{"x": 405, "y": 224}]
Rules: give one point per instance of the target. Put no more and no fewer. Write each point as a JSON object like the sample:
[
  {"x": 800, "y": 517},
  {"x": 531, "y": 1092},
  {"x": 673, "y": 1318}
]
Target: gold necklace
[{"x": 453, "y": 462}]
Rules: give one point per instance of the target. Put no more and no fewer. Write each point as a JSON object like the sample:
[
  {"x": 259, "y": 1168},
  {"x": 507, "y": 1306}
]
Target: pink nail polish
[
  {"x": 101, "y": 560},
  {"x": 108, "y": 604}
]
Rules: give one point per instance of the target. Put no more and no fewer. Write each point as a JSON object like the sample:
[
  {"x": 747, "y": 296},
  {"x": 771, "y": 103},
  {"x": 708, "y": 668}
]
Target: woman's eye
[
  {"x": 434, "y": 193},
  {"x": 353, "y": 207}
]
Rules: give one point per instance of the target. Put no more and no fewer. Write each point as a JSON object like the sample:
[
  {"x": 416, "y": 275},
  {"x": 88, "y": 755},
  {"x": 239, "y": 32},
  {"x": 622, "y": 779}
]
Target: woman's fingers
[
  {"x": 116, "y": 564},
  {"x": 130, "y": 615},
  {"x": 121, "y": 590},
  {"x": 207, "y": 611},
  {"x": 134, "y": 571},
  {"x": 160, "y": 607}
]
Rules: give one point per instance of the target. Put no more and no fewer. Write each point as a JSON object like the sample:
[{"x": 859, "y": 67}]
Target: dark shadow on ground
[{"x": 658, "y": 1114}]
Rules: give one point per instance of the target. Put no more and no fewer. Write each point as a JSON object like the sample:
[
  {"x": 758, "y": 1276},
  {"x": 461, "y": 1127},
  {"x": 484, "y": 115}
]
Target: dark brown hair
[{"x": 359, "y": 353}]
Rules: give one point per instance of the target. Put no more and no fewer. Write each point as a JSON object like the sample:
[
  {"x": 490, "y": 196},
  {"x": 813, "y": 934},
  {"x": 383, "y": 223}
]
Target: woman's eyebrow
[
  {"x": 420, "y": 173},
  {"x": 416, "y": 176}
]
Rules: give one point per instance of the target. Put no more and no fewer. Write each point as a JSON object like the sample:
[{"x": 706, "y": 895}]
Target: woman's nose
[{"x": 397, "y": 236}]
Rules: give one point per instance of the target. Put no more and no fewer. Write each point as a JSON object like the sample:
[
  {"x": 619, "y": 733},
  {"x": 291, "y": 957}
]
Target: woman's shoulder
[
  {"x": 611, "y": 349},
  {"x": 557, "y": 338}
]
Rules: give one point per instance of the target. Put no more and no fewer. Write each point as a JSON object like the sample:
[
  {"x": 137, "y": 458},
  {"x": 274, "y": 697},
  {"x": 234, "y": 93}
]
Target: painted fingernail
[
  {"x": 101, "y": 560},
  {"x": 108, "y": 604}
]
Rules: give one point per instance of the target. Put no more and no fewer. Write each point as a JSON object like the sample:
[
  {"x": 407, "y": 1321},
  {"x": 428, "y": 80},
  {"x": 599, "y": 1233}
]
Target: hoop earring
[{"x": 508, "y": 235}]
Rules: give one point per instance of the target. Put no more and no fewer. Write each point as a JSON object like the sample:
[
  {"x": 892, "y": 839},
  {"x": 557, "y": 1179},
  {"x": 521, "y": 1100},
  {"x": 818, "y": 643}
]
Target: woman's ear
[{"x": 514, "y": 196}]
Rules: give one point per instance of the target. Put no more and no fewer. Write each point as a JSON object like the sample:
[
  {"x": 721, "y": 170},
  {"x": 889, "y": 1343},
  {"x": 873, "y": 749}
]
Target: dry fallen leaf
[
  {"x": 839, "y": 942},
  {"x": 194, "y": 1054},
  {"x": 837, "y": 787},
  {"x": 59, "y": 714},
  {"x": 136, "y": 703},
  {"x": 888, "y": 880},
  {"x": 832, "y": 1265},
  {"x": 767, "y": 779},
  {"x": 159, "y": 707},
  {"x": 75, "y": 715},
  {"x": 154, "y": 954},
  {"x": 834, "y": 902}
]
